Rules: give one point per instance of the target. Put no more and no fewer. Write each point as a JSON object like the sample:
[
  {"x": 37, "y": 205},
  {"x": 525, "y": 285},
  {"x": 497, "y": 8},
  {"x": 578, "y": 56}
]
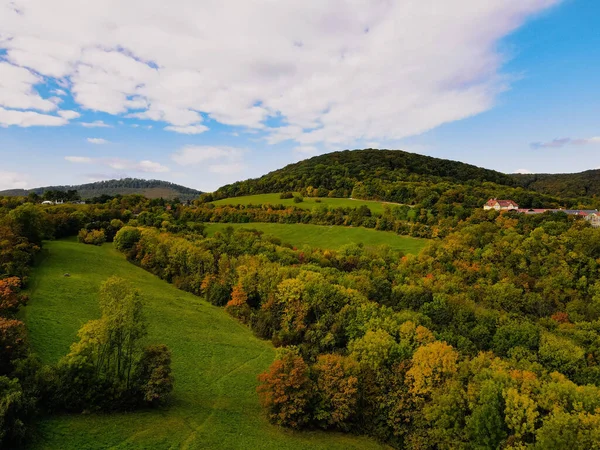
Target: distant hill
[
  {"x": 340, "y": 171},
  {"x": 124, "y": 186},
  {"x": 583, "y": 184}
]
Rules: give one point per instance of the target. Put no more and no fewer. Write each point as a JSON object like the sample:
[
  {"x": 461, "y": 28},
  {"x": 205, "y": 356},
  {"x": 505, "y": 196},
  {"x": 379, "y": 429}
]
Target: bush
[
  {"x": 126, "y": 238},
  {"x": 285, "y": 195},
  {"x": 94, "y": 237},
  {"x": 298, "y": 199}
]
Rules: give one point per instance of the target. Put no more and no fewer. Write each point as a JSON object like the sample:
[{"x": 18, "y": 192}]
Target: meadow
[
  {"x": 330, "y": 237},
  {"x": 308, "y": 203},
  {"x": 215, "y": 363}
]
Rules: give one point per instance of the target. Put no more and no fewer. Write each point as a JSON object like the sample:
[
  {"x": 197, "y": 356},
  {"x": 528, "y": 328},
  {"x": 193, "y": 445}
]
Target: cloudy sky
[{"x": 206, "y": 92}]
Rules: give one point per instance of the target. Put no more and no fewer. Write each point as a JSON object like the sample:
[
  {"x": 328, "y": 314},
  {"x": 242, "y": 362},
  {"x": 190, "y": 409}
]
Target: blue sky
[{"x": 207, "y": 93}]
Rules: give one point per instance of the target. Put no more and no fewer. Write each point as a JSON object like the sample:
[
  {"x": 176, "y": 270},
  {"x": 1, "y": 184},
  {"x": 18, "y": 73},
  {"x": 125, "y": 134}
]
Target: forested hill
[
  {"x": 124, "y": 186},
  {"x": 340, "y": 171},
  {"x": 583, "y": 184}
]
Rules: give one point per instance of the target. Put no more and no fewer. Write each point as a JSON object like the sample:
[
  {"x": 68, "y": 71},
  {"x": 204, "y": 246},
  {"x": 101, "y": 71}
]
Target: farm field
[
  {"x": 308, "y": 203},
  {"x": 215, "y": 363},
  {"x": 323, "y": 236}
]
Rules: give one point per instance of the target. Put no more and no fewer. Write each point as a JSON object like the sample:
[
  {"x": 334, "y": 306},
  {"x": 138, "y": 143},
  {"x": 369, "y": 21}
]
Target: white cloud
[
  {"x": 189, "y": 129},
  {"x": 10, "y": 117},
  {"x": 226, "y": 169},
  {"x": 69, "y": 115},
  {"x": 97, "y": 141},
  {"x": 79, "y": 159},
  {"x": 197, "y": 154},
  {"x": 121, "y": 164},
  {"x": 330, "y": 72},
  {"x": 95, "y": 124},
  {"x": 150, "y": 166},
  {"x": 13, "y": 180},
  {"x": 306, "y": 150},
  {"x": 563, "y": 142},
  {"x": 17, "y": 89},
  {"x": 523, "y": 171}
]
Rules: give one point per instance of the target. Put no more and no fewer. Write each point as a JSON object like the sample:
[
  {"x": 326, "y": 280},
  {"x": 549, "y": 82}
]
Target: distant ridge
[
  {"x": 124, "y": 186},
  {"x": 574, "y": 185}
]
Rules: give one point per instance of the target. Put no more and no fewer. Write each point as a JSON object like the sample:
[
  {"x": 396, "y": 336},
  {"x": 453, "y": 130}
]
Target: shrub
[
  {"x": 94, "y": 237},
  {"x": 126, "y": 238},
  {"x": 285, "y": 195},
  {"x": 298, "y": 199}
]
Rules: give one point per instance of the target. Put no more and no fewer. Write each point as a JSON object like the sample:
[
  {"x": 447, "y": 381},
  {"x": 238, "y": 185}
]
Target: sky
[{"x": 207, "y": 92}]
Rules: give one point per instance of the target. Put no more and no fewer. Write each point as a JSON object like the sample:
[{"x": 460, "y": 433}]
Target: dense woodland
[
  {"x": 573, "y": 185},
  {"x": 488, "y": 338}
]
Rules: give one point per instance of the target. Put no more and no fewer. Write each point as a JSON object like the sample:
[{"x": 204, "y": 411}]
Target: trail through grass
[
  {"x": 215, "y": 363},
  {"x": 331, "y": 237}
]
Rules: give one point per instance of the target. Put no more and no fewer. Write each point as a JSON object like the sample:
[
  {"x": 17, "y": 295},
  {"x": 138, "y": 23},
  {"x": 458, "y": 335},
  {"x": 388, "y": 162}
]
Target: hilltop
[
  {"x": 402, "y": 177},
  {"x": 341, "y": 171},
  {"x": 124, "y": 186}
]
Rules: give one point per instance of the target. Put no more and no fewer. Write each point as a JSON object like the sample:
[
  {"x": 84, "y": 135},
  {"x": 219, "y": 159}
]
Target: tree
[
  {"x": 13, "y": 343},
  {"x": 14, "y": 409},
  {"x": 337, "y": 390},
  {"x": 560, "y": 354},
  {"x": 432, "y": 365},
  {"x": 374, "y": 350},
  {"x": 486, "y": 424},
  {"x": 285, "y": 390},
  {"x": 10, "y": 299},
  {"x": 28, "y": 222},
  {"x": 126, "y": 238},
  {"x": 153, "y": 373},
  {"x": 110, "y": 357}
]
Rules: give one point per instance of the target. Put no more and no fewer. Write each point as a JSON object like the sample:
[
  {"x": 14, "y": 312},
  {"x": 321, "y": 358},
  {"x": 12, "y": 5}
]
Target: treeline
[{"x": 487, "y": 339}]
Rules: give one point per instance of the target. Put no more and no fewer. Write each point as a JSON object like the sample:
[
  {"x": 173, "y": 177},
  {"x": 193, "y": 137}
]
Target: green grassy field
[
  {"x": 331, "y": 237},
  {"x": 308, "y": 203},
  {"x": 215, "y": 363}
]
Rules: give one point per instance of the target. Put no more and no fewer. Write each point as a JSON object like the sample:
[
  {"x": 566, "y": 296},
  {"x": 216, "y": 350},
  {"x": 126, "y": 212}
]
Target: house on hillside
[
  {"x": 593, "y": 218},
  {"x": 500, "y": 205}
]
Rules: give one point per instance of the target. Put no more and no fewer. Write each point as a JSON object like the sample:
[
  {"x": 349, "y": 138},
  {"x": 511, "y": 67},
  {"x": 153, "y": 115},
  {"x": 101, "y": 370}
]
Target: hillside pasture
[
  {"x": 330, "y": 237},
  {"x": 308, "y": 203},
  {"x": 215, "y": 363}
]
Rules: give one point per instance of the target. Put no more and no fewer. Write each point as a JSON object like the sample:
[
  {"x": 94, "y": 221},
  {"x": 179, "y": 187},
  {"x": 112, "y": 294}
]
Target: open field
[
  {"x": 331, "y": 237},
  {"x": 308, "y": 203},
  {"x": 215, "y": 363}
]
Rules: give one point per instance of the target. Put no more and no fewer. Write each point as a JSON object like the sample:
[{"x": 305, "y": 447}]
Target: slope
[{"x": 215, "y": 362}]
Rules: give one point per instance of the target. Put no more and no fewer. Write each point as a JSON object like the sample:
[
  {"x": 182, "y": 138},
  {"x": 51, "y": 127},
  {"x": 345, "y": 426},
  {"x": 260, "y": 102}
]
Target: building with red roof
[{"x": 500, "y": 205}]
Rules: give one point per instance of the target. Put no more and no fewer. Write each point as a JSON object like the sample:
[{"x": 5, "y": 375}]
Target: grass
[
  {"x": 308, "y": 203},
  {"x": 215, "y": 363},
  {"x": 331, "y": 237}
]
